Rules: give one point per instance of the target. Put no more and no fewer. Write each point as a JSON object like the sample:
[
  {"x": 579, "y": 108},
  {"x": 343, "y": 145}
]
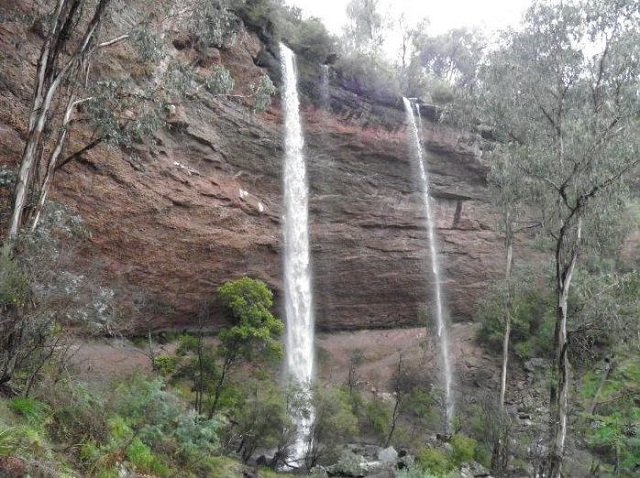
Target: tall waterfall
[
  {"x": 297, "y": 269},
  {"x": 443, "y": 336},
  {"x": 324, "y": 87}
]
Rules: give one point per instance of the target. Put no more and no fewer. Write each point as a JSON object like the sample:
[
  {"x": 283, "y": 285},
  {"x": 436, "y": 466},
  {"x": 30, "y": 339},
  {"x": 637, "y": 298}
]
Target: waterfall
[
  {"x": 324, "y": 88},
  {"x": 441, "y": 321},
  {"x": 297, "y": 270}
]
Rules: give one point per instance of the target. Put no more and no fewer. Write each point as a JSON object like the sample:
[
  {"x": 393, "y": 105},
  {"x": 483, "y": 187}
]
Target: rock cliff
[{"x": 203, "y": 203}]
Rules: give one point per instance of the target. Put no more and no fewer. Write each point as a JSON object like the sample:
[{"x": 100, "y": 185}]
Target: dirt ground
[{"x": 375, "y": 354}]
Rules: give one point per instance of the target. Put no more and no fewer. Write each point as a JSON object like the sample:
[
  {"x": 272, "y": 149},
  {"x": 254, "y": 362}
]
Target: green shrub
[
  {"x": 220, "y": 82},
  {"x": 532, "y": 317},
  {"x": 612, "y": 433},
  {"x": 262, "y": 94},
  {"x": 8, "y": 441},
  {"x": 35, "y": 412},
  {"x": 166, "y": 365},
  {"x": 75, "y": 418},
  {"x": 377, "y": 417},
  {"x": 421, "y": 404},
  {"x": 14, "y": 283},
  {"x": 368, "y": 75},
  {"x": 335, "y": 422},
  {"x": 482, "y": 455},
  {"x": 159, "y": 419},
  {"x": 141, "y": 456},
  {"x": 463, "y": 448},
  {"x": 435, "y": 461}
]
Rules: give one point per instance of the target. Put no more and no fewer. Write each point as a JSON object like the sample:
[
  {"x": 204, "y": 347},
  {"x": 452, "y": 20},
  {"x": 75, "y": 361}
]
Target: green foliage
[
  {"x": 122, "y": 113},
  {"x": 262, "y": 94},
  {"x": 141, "y": 456},
  {"x": 421, "y": 404},
  {"x": 335, "y": 422},
  {"x": 158, "y": 417},
  {"x": 377, "y": 417},
  {"x": 368, "y": 75},
  {"x": 214, "y": 23},
  {"x": 14, "y": 283},
  {"x": 434, "y": 461},
  {"x": 349, "y": 464},
  {"x": 260, "y": 418},
  {"x": 220, "y": 82},
  {"x": 166, "y": 365},
  {"x": 367, "y": 26},
  {"x": 74, "y": 418},
  {"x": 464, "y": 448},
  {"x": 612, "y": 431},
  {"x": 255, "y": 329},
  {"x": 35, "y": 412},
  {"x": 453, "y": 57},
  {"x": 148, "y": 46},
  {"x": 532, "y": 316},
  {"x": 8, "y": 441},
  {"x": 604, "y": 307}
]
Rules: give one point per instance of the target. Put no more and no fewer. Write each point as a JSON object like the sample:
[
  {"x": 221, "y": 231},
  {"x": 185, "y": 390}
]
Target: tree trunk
[
  {"x": 507, "y": 312},
  {"x": 560, "y": 389},
  {"x": 49, "y": 78}
]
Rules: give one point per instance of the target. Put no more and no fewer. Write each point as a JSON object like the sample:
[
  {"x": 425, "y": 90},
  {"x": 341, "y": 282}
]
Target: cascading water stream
[
  {"x": 419, "y": 157},
  {"x": 324, "y": 87},
  {"x": 297, "y": 268}
]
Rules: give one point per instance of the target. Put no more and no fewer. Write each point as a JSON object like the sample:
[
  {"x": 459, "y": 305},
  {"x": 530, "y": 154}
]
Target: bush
[
  {"x": 334, "y": 424},
  {"x": 260, "y": 420},
  {"x": 166, "y": 365},
  {"x": 435, "y": 461},
  {"x": 158, "y": 417},
  {"x": 532, "y": 318},
  {"x": 463, "y": 449},
  {"x": 612, "y": 432},
  {"x": 36, "y": 413},
  {"x": 75, "y": 418},
  {"x": 377, "y": 417},
  {"x": 262, "y": 93},
  {"x": 8, "y": 441},
  {"x": 141, "y": 456},
  {"x": 14, "y": 284}
]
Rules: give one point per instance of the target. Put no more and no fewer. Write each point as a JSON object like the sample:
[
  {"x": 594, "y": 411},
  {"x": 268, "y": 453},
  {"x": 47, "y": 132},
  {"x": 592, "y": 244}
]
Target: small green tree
[
  {"x": 334, "y": 423},
  {"x": 255, "y": 332}
]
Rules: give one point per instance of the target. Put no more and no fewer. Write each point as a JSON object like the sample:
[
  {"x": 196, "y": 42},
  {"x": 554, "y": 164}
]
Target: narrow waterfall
[
  {"x": 324, "y": 87},
  {"x": 299, "y": 347},
  {"x": 441, "y": 320}
]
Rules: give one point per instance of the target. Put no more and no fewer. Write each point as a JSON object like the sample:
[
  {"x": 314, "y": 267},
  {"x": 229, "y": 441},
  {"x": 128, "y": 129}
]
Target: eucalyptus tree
[
  {"x": 453, "y": 56},
  {"x": 562, "y": 94},
  {"x": 367, "y": 26},
  {"x": 73, "y": 99}
]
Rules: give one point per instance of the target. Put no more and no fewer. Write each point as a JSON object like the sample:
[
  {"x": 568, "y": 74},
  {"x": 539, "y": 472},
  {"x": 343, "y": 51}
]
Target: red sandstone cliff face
[{"x": 203, "y": 205}]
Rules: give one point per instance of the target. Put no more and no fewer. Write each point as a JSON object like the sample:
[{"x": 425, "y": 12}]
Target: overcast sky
[{"x": 443, "y": 14}]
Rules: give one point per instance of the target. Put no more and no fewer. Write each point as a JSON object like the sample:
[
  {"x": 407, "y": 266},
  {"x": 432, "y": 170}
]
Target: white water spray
[
  {"x": 324, "y": 87},
  {"x": 297, "y": 269},
  {"x": 419, "y": 156}
]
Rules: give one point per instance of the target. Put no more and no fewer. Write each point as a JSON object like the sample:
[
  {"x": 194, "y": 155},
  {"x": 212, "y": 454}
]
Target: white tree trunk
[
  {"x": 560, "y": 390},
  {"x": 507, "y": 313}
]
